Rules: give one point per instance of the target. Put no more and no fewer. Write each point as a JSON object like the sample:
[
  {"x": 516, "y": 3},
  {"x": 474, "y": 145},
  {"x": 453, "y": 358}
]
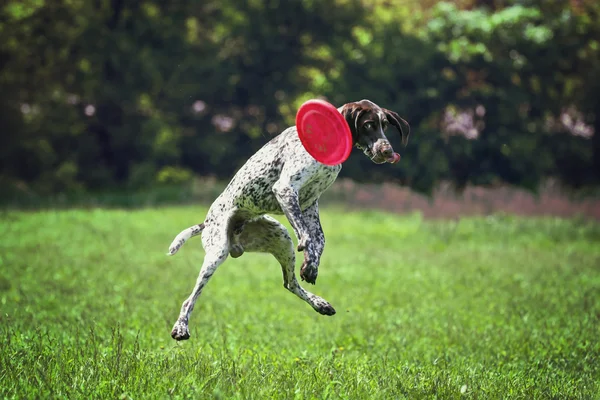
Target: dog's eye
[{"x": 369, "y": 125}]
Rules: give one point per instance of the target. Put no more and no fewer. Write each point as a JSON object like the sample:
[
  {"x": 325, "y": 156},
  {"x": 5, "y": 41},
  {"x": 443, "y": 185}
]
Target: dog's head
[{"x": 368, "y": 123}]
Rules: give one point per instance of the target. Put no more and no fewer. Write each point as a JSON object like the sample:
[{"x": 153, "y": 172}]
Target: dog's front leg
[
  {"x": 287, "y": 196},
  {"x": 312, "y": 260},
  {"x": 286, "y": 191}
]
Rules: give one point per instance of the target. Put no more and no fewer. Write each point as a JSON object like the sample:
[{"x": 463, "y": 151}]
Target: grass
[{"x": 496, "y": 307}]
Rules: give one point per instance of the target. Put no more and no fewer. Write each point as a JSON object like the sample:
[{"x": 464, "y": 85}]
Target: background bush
[{"x": 126, "y": 94}]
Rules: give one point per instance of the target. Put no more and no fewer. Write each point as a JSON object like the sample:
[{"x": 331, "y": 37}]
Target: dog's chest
[
  {"x": 320, "y": 182},
  {"x": 257, "y": 194},
  {"x": 251, "y": 189}
]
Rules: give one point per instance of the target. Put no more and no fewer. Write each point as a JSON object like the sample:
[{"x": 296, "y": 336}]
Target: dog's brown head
[{"x": 368, "y": 123}]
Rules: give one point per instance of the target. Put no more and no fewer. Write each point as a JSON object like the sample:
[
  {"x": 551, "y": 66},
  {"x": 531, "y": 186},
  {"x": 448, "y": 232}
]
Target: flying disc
[{"x": 324, "y": 132}]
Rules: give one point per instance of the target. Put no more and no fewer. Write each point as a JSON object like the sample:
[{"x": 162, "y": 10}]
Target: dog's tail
[{"x": 183, "y": 237}]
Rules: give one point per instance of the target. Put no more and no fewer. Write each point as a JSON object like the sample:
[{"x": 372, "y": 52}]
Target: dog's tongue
[{"x": 394, "y": 158}]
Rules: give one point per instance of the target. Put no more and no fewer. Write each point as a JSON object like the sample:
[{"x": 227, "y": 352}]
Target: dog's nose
[{"x": 387, "y": 151}]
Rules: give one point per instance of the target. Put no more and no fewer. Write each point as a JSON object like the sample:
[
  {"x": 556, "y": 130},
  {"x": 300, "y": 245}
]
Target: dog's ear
[
  {"x": 352, "y": 113},
  {"x": 397, "y": 121}
]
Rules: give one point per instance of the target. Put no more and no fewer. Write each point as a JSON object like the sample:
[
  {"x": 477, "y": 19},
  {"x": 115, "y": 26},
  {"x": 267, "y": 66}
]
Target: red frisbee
[{"x": 323, "y": 131}]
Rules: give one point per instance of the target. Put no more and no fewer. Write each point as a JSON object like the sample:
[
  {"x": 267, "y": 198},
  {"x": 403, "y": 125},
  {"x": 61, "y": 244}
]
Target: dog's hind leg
[
  {"x": 266, "y": 235},
  {"x": 216, "y": 245}
]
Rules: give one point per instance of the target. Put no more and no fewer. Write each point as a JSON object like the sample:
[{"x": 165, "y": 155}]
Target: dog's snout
[{"x": 385, "y": 149}]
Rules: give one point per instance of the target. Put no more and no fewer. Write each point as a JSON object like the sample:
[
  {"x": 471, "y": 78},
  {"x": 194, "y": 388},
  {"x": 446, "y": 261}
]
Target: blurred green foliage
[{"x": 126, "y": 94}]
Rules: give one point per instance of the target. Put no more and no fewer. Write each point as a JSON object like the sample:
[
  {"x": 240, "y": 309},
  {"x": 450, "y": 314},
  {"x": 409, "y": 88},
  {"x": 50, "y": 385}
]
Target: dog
[{"x": 282, "y": 178}]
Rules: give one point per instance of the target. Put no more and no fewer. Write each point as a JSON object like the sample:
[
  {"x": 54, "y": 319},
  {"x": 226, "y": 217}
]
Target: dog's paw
[
  {"x": 309, "y": 271},
  {"x": 180, "y": 331},
  {"x": 323, "y": 307}
]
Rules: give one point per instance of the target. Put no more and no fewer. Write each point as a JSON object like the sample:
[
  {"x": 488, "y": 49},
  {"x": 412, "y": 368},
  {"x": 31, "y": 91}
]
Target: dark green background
[{"x": 144, "y": 65}]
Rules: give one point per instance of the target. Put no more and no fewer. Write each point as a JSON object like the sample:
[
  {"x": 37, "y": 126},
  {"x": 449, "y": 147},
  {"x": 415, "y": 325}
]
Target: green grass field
[{"x": 496, "y": 307}]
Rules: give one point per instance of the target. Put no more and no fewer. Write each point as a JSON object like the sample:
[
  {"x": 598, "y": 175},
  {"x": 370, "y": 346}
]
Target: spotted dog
[{"x": 282, "y": 178}]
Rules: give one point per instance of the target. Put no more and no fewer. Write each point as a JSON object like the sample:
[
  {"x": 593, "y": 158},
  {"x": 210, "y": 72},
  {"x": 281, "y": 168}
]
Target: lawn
[{"x": 495, "y": 307}]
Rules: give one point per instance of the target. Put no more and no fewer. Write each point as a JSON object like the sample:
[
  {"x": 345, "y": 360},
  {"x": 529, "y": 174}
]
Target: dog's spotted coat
[{"x": 281, "y": 178}]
